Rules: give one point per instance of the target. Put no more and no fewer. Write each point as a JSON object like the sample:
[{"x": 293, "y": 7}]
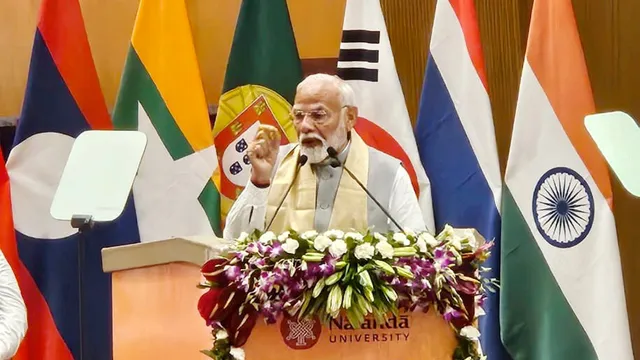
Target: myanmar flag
[
  {"x": 161, "y": 94},
  {"x": 259, "y": 86},
  {"x": 562, "y": 293}
]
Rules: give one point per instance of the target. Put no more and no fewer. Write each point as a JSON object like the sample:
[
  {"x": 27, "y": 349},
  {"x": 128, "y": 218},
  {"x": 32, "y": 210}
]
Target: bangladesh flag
[
  {"x": 161, "y": 94},
  {"x": 259, "y": 86},
  {"x": 562, "y": 293}
]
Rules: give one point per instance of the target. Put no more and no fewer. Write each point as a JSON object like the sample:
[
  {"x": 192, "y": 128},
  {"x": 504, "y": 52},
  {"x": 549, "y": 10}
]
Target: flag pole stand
[{"x": 83, "y": 223}]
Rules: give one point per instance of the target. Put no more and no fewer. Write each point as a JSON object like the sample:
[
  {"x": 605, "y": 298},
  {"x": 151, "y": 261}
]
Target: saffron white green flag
[{"x": 562, "y": 293}]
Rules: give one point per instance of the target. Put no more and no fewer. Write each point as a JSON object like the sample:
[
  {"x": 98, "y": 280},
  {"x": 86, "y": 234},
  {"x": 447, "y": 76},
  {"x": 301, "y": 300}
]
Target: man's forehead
[
  {"x": 310, "y": 106},
  {"x": 318, "y": 95}
]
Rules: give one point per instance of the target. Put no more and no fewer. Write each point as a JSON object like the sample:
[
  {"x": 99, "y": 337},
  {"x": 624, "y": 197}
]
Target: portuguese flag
[
  {"x": 562, "y": 294},
  {"x": 161, "y": 94},
  {"x": 259, "y": 86}
]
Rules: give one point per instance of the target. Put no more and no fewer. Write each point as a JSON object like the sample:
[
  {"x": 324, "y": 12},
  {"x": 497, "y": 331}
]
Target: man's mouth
[{"x": 311, "y": 142}]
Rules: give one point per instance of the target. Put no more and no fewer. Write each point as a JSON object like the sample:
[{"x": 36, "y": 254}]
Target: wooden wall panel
[
  {"x": 503, "y": 47},
  {"x": 409, "y": 24},
  {"x": 17, "y": 22}
]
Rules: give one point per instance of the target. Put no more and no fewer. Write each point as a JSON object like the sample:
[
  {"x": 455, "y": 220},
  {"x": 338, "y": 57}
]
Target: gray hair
[{"x": 347, "y": 96}]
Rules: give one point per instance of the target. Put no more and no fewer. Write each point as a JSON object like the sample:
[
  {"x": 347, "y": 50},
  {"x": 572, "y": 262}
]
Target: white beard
[
  {"x": 315, "y": 154},
  {"x": 318, "y": 153}
]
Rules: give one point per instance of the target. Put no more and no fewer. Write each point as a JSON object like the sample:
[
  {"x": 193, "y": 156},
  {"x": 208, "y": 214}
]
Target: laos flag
[
  {"x": 456, "y": 141},
  {"x": 63, "y": 99}
]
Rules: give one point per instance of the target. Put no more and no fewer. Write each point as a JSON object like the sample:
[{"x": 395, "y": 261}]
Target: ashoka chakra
[{"x": 563, "y": 207}]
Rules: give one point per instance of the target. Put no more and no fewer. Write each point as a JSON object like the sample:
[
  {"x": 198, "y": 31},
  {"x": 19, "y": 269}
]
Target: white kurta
[
  {"x": 13, "y": 313},
  {"x": 249, "y": 210}
]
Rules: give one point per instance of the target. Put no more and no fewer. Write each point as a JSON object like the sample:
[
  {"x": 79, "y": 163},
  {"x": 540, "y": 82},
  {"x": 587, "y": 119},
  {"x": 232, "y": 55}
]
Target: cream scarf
[{"x": 298, "y": 210}]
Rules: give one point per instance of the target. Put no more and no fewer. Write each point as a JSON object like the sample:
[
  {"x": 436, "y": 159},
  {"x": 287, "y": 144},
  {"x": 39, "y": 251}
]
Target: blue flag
[{"x": 457, "y": 146}]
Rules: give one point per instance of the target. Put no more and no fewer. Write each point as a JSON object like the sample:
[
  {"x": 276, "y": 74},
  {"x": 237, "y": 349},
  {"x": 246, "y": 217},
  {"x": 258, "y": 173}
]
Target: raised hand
[{"x": 263, "y": 151}]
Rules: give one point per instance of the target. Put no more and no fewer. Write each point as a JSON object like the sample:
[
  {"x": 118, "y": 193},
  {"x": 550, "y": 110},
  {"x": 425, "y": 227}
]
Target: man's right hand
[{"x": 263, "y": 151}]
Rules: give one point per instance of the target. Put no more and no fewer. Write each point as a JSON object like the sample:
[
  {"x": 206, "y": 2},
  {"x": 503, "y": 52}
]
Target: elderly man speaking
[{"x": 302, "y": 186}]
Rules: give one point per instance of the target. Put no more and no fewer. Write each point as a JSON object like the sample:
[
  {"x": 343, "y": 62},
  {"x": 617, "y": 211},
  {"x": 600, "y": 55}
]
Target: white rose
[
  {"x": 338, "y": 248},
  {"x": 237, "y": 353},
  {"x": 321, "y": 243},
  {"x": 470, "y": 333},
  {"x": 221, "y": 335},
  {"x": 309, "y": 234},
  {"x": 401, "y": 239},
  {"x": 354, "y": 235},
  {"x": 243, "y": 236},
  {"x": 379, "y": 237},
  {"x": 429, "y": 239},
  {"x": 364, "y": 251},
  {"x": 447, "y": 231},
  {"x": 284, "y": 236},
  {"x": 267, "y": 237},
  {"x": 422, "y": 245},
  {"x": 336, "y": 234},
  {"x": 409, "y": 232},
  {"x": 385, "y": 249},
  {"x": 290, "y": 246}
]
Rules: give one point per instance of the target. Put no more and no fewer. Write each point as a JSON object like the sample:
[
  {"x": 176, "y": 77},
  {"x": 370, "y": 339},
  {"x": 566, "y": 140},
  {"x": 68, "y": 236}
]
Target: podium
[
  {"x": 155, "y": 315},
  {"x": 154, "y": 297}
]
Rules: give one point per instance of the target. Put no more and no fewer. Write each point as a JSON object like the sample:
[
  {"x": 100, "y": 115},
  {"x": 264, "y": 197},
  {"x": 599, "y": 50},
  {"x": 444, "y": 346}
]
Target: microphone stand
[
  {"x": 301, "y": 161},
  {"x": 335, "y": 162}
]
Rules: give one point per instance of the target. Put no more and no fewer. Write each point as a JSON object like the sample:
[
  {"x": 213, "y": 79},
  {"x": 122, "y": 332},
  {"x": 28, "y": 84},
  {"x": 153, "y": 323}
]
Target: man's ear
[{"x": 352, "y": 117}]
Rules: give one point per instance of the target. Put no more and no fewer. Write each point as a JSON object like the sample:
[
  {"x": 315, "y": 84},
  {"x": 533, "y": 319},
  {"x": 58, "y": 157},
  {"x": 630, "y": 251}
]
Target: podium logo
[{"x": 300, "y": 334}]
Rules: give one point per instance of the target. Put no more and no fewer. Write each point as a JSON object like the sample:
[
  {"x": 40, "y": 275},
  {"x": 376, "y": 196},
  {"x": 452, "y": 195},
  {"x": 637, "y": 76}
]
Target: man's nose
[{"x": 307, "y": 125}]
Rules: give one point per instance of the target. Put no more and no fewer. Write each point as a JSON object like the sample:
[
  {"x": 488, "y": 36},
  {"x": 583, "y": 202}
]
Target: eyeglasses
[{"x": 317, "y": 116}]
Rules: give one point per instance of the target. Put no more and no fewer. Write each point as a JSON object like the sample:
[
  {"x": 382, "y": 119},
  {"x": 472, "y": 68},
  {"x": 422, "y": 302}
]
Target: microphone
[
  {"x": 302, "y": 159},
  {"x": 335, "y": 162}
]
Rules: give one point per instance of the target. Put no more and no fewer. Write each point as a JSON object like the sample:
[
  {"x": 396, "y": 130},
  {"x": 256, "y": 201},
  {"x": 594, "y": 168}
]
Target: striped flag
[
  {"x": 562, "y": 291},
  {"x": 456, "y": 140},
  {"x": 62, "y": 100},
  {"x": 366, "y": 62},
  {"x": 161, "y": 94}
]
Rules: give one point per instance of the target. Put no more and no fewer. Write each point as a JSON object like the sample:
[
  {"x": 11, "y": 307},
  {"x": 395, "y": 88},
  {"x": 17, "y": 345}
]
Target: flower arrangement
[{"x": 322, "y": 275}]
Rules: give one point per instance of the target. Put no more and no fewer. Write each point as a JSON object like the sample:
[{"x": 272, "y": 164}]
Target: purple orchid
[
  {"x": 451, "y": 314},
  {"x": 270, "y": 311},
  {"x": 327, "y": 270},
  {"x": 241, "y": 255},
  {"x": 442, "y": 258},
  {"x": 233, "y": 273},
  {"x": 257, "y": 262},
  {"x": 266, "y": 282},
  {"x": 274, "y": 250},
  {"x": 252, "y": 248}
]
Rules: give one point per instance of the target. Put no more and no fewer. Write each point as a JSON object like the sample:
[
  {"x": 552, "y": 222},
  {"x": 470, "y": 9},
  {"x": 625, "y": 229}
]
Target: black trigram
[{"x": 359, "y": 55}]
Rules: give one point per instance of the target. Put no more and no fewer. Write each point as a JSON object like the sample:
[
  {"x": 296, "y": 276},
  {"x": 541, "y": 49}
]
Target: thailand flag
[
  {"x": 62, "y": 100},
  {"x": 456, "y": 141}
]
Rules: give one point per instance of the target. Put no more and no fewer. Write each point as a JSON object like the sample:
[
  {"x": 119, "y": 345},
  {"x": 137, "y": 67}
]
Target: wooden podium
[
  {"x": 155, "y": 298},
  {"x": 155, "y": 315}
]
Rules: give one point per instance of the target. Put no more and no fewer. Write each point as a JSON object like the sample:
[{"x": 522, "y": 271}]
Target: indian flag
[
  {"x": 562, "y": 292},
  {"x": 161, "y": 94}
]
